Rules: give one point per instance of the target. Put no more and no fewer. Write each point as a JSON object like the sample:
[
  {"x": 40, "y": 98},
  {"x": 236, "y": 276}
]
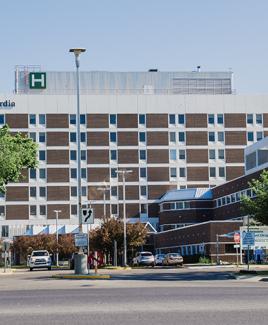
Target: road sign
[
  {"x": 80, "y": 240},
  {"x": 236, "y": 246},
  {"x": 87, "y": 216},
  {"x": 37, "y": 80},
  {"x": 237, "y": 237},
  {"x": 248, "y": 238}
]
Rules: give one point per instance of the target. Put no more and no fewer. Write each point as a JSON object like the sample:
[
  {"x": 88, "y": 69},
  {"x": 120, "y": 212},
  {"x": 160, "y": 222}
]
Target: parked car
[
  {"x": 173, "y": 259},
  {"x": 143, "y": 258},
  {"x": 39, "y": 259},
  {"x": 158, "y": 259}
]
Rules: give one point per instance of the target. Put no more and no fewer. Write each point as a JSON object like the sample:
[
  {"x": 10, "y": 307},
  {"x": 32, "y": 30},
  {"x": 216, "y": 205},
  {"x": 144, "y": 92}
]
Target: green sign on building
[{"x": 37, "y": 80}]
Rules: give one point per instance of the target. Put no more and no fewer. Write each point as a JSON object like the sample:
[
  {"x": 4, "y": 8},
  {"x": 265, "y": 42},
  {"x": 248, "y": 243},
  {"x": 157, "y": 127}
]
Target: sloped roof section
[{"x": 187, "y": 194}]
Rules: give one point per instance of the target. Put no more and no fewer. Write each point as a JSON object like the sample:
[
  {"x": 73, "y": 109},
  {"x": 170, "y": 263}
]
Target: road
[{"x": 134, "y": 297}]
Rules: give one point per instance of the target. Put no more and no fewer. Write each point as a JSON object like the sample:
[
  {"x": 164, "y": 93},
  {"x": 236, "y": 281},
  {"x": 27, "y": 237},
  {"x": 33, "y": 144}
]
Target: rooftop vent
[{"x": 152, "y": 70}]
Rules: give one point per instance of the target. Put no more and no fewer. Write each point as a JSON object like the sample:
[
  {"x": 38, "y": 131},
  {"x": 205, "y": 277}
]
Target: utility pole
[
  {"x": 124, "y": 172},
  {"x": 104, "y": 189},
  {"x": 57, "y": 236}
]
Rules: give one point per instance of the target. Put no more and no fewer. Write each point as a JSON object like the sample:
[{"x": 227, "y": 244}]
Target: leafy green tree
[
  {"x": 257, "y": 207},
  {"x": 16, "y": 153}
]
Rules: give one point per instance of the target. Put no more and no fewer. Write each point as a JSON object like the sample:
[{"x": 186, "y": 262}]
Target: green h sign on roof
[{"x": 37, "y": 80}]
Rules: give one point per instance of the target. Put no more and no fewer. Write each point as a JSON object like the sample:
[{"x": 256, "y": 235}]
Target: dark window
[
  {"x": 42, "y": 119},
  {"x": 83, "y": 136},
  {"x": 84, "y": 191},
  {"x": 143, "y": 172},
  {"x": 142, "y": 154},
  {"x": 72, "y": 137},
  {"x": 182, "y": 154},
  {"x": 113, "y": 190},
  {"x": 42, "y": 155},
  {"x": 82, "y": 119},
  {"x": 211, "y": 136},
  {"x": 5, "y": 231},
  {"x": 250, "y": 118},
  {"x": 42, "y": 173},
  {"x": 113, "y": 173},
  {"x": 72, "y": 119},
  {"x": 142, "y": 136},
  {"x": 212, "y": 172},
  {"x": 43, "y": 210},
  {"x": 32, "y": 119},
  {"x": 181, "y": 119},
  {"x": 142, "y": 119},
  {"x": 212, "y": 154},
  {"x": 113, "y": 119},
  {"x": 181, "y": 136},
  {"x": 113, "y": 154},
  {"x": 33, "y": 136},
  {"x": 221, "y": 172},
  {"x": 172, "y": 119},
  {"x": 42, "y": 137},
  {"x": 42, "y": 192},
  {"x": 2, "y": 119},
  {"x": 250, "y": 136},
  {"x": 72, "y": 155},
  {"x": 259, "y": 118},
  {"x": 144, "y": 208},
  {"x": 83, "y": 173},
  {"x": 33, "y": 173},
  {"x": 33, "y": 210},
  {"x": 211, "y": 119},
  {"x": 143, "y": 190},
  {"x": 221, "y": 136},
  {"x": 113, "y": 137},
  {"x": 83, "y": 154},
  {"x": 73, "y": 191},
  {"x": 73, "y": 173},
  {"x": 114, "y": 209},
  {"x": 172, "y": 137},
  {"x": 74, "y": 209},
  {"x": 220, "y": 118},
  {"x": 182, "y": 172},
  {"x": 173, "y": 172}
]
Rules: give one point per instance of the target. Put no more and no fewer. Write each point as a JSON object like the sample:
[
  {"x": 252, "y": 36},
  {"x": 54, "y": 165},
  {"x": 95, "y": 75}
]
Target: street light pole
[
  {"x": 57, "y": 236},
  {"x": 77, "y": 52},
  {"x": 80, "y": 264},
  {"x": 124, "y": 172}
]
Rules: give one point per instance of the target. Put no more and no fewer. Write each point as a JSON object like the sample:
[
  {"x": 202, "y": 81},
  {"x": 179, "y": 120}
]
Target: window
[
  {"x": 73, "y": 173},
  {"x": 142, "y": 137},
  {"x": 182, "y": 172},
  {"x": 173, "y": 154},
  {"x": 33, "y": 136},
  {"x": 72, "y": 137},
  {"x": 83, "y": 137},
  {"x": 73, "y": 209},
  {"x": 182, "y": 154},
  {"x": 32, "y": 191},
  {"x": 72, "y": 119},
  {"x": 181, "y": 119},
  {"x": 212, "y": 172},
  {"x": 43, "y": 210},
  {"x": 112, "y": 119},
  {"x": 33, "y": 173},
  {"x": 83, "y": 155},
  {"x": 114, "y": 191},
  {"x": 142, "y": 154},
  {"x": 220, "y": 118},
  {"x": 83, "y": 173},
  {"x": 143, "y": 172},
  {"x": 72, "y": 155},
  {"x": 2, "y": 210},
  {"x": 42, "y": 155},
  {"x": 221, "y": 153},
  {"x": 249, "y": 118},
  {"x": 221, "y": 172},
  {"x": 84, "y": 191},
  {"x": 258, "y": 118},
  {"x": 42, "y": 173},
  {"x": 143, "y": 208},
  {"x": 33, "y": 210},
  {"x": 181, "y": 136},
  {"x": 211, "y": 119},
  {"x": 172, "y": 119},
  {"x": 172, "y": 137},
  {"x": 2, "y": 119},
  {"x": 114, "y": 209},
  {"x": 73, "y": 191},
  {"x": 143, "y": 190},
  {"x": 173, "y": 172},
  {"x": 82, "y": 119},
  {"x": 113, "y": 137},
  {"x": 42, "y": 137},
  {"x": 142, "y": 119},
  {"x": 212, "y": 154},
  {"x": 179, "y": 205},
  {"x": 259, "y": 136},
  {"x": 113, "y": 173},
  {"x": 250, "y": 136},
  {"x": 5, "y": 231},
  {"x": 211, "y": 136},
  {"x": 32, "y": 119},
  {"x": 113, "y": 155},
  {"x": 42, "y": 119},
  {"x": 221, "y": 136},
  {"x": 42, "y": 191}
]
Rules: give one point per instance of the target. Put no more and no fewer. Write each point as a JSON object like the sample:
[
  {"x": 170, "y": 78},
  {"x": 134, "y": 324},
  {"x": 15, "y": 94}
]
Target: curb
[
  {"x": 118, "y": 268},
  {"x": 81, "y": 276}
]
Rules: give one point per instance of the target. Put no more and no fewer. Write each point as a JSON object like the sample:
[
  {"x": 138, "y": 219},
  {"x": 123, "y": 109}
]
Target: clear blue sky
[{"x": 135, "y": 35}]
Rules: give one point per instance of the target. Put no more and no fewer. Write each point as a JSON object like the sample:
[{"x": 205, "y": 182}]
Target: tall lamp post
[
  {"x": 124, "y": 172},
  {"x": 104, "y": 189},
  {"x": 57, "y": 236},
  {"x": 79, "y": 262}
]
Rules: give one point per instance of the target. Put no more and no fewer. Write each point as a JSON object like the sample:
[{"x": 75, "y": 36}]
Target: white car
[
  {"x": 143, "y": 258},
  {"x": 39, "y": 259},
  {"x": 159, "y": 259}
]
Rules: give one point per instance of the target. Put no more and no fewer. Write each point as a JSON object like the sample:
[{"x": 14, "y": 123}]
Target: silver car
[
  {"x": 172, "y": 259},
  {"x": 158, "y": 259}
]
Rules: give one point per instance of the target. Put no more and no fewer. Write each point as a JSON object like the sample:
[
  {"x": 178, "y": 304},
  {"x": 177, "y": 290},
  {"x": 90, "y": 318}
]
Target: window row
[
  {"x": 180, "y": 205},
  {"x": 234, "y": 197},
  {"x": 180, "y": 154}
]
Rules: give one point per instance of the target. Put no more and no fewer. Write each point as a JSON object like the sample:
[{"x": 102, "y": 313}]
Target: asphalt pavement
[{"x": 173, "y": 296}]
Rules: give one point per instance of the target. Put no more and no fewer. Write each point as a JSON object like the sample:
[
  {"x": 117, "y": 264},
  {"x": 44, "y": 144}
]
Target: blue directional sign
[{"x": 248, "y": 238}]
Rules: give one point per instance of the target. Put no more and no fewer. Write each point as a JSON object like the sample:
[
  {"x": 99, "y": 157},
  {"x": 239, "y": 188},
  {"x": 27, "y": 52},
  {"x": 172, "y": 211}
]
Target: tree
[
  {"x": 257, "y": 207},
  {"x": 16, "y": 152},
  {"x": 103, "y": 238}
]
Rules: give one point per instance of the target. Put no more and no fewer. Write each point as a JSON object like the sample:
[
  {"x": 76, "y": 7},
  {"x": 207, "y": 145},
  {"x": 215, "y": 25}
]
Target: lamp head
[{"x": 77, "y": 51}]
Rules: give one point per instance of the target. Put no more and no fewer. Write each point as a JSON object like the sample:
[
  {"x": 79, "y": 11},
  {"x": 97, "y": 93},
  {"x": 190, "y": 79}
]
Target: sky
[{"x": 136, "y": 35}]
